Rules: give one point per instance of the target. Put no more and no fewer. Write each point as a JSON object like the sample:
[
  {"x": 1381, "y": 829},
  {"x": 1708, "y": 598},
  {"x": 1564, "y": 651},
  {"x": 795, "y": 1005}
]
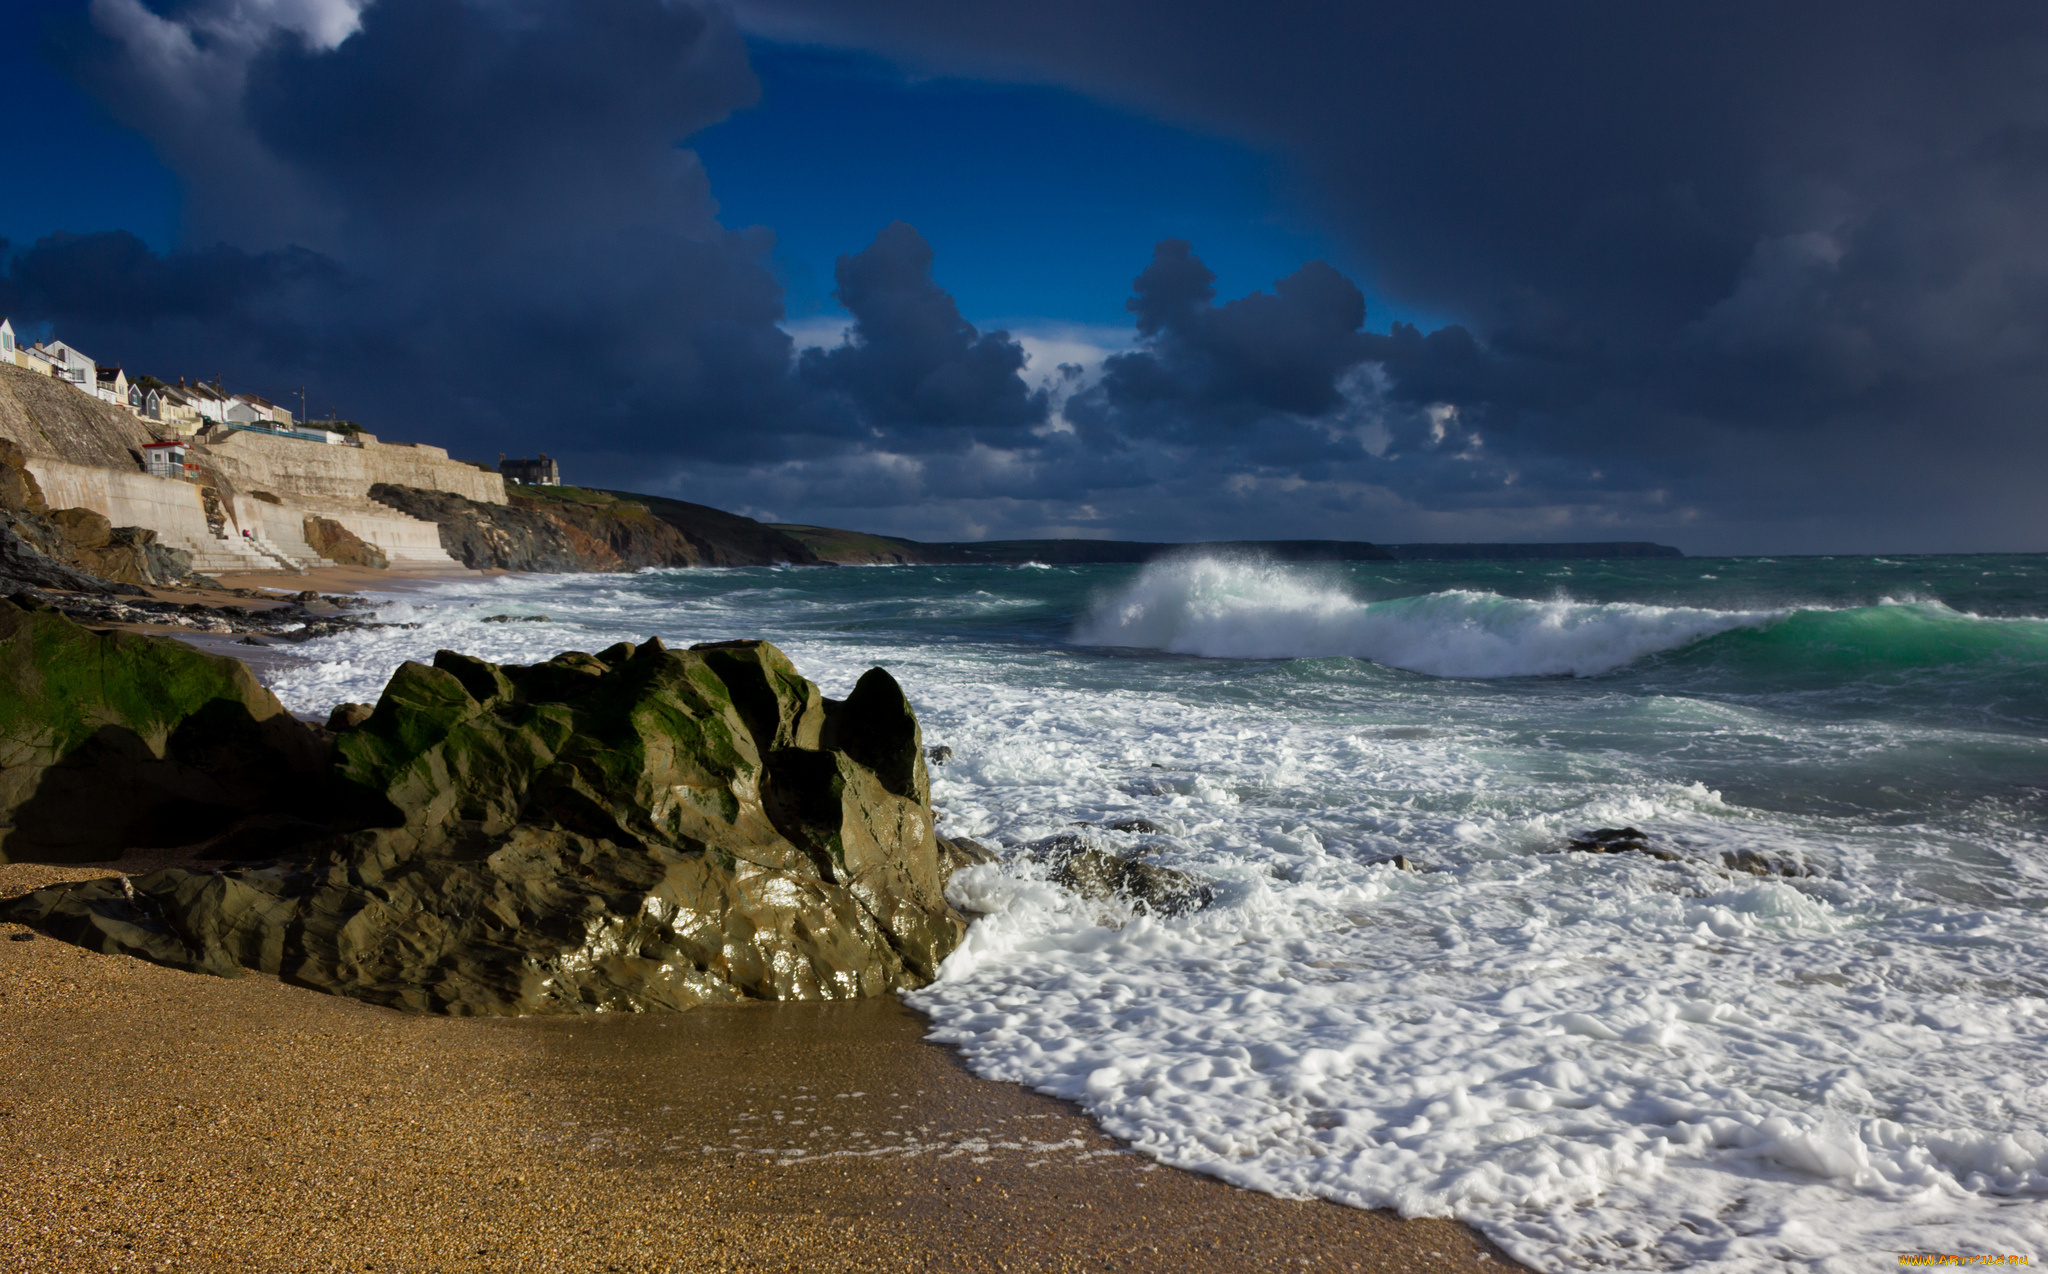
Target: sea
[{"x": 1603, "y": 1061}]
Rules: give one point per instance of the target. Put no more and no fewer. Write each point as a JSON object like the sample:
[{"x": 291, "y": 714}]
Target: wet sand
[{"x": 162, "y": 1120}]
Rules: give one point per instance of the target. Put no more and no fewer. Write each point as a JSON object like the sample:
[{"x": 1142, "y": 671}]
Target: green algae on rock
[
  {"x": 641, "y": 829},
  {"x": 112, "y": 741}
]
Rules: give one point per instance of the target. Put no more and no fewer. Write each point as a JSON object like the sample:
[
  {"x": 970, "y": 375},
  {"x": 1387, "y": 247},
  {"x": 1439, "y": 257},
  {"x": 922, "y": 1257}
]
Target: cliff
[
  {"x": 50, "y": 420},
  {"x": 726, "y": 539},
  {"x": 577, "y": 529},
  {"x": 497, "y": 537}
]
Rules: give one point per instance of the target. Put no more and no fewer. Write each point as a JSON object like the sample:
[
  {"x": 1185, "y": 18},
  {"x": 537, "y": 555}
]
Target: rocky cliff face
[
  {"x": 500, "y": 537},
  {"x": 114, "y": 740},
  {"x": 47, "y": 417},
  {"x": 718, "y": 538},
  {"x": 578, "y": 529},
  {"x": 637, "y": 829},
  {"x": 78, "y": 550},
  {"x": 626, "y": 528},
  {"x": 338, "y": 544}
]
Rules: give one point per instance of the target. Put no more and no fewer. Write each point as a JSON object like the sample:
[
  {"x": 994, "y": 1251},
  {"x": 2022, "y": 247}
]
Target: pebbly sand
[{"x": 158, "y": 1120}]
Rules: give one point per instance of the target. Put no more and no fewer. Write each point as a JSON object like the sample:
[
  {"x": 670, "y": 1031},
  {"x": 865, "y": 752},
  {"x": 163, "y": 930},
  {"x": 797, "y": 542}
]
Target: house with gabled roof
[
  {"x": 253, "y": 409},
  {"x": 71, "y": 365},
  {"x": 111, "y": 385},
  {"x": 6, "y": 340},
  {"x": 175, "y": 407},
  {"x": 209, "y": 403}
]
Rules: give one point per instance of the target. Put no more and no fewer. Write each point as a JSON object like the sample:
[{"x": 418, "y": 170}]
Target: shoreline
[
  {"x": 175, "y": 1120},
  {"x": 182, "y": 1121}
]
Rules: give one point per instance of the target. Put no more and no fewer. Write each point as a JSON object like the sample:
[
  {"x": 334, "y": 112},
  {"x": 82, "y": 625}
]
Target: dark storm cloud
[
  {"x": 114, "y": 277},
  {"x": 1202, "y": 366},
  {"x": 1746, "y": 276},
  {"x": 1781, "y": 263},
  {"x": 910, "y": 362},
  {"x": 473, "y": 222}
]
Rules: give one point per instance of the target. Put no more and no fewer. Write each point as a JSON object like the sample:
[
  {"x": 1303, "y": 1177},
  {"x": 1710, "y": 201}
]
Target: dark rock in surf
[
  {"x": 1622, "y": 840},
  {"x": 1081, "y": 869},
  {"x": 638, "y": 829},
  {"x": 958, "y": 852},
  {"x": 1758, "y": 864},
  {"x": 939, "y": 755}
]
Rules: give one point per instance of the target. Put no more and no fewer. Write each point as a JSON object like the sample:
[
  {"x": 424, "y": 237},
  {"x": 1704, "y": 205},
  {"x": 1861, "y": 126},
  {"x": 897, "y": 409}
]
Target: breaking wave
[{"x": 1241, "y": 610}]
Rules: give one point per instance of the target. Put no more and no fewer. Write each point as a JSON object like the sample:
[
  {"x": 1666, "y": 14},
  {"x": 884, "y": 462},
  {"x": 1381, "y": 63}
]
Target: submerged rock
[
  {"x": 1760, "y": 864},
  {"x": 1091, "y": 873},
  {"x": 638, "y": 829},
  {"x": 112, "y": 741},
  {"x": 958, "y": 852},
  {"x": 1622, "y": 840}
]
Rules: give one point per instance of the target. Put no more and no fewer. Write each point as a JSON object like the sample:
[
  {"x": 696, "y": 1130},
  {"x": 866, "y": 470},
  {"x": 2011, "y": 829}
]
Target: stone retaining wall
[{"x": 86, "y": 454}]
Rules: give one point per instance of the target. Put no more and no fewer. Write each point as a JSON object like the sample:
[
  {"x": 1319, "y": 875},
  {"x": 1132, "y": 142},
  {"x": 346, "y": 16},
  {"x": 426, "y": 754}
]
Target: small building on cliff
[{"x": 543, "y": 472}]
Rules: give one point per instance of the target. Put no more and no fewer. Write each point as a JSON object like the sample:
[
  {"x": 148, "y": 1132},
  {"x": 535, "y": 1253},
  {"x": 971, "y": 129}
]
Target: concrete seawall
[
  {"x": 316, "y": 474},
  {"x": 87, "y": 454}
]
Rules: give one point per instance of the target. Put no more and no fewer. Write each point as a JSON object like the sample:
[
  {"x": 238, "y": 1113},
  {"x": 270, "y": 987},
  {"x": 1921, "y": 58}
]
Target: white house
[
  {"x": 206, "y": 401},
  {"x": 6, "y": 341},
  {"x": 173, "y": 406},
  {"x": 112, "y": 385},
  {"x": 72, "y": 365},
  {"x": 249, "y": 409}
]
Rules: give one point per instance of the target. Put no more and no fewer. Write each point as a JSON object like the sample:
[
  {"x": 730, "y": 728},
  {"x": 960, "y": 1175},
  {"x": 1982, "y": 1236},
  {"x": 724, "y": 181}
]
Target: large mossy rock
[
  {"x": 640, "y": 829},
  {"x": 112, "y": 741}
]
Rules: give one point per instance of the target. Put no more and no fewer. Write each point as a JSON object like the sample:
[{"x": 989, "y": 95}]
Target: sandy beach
[{"x": 160, "y": 1120}]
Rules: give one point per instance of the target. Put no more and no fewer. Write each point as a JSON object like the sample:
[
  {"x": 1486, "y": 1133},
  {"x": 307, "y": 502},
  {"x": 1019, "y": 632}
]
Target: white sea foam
[
  {"x": 1251, "y": 610},
  {"x": 1607, "y": 1063}
]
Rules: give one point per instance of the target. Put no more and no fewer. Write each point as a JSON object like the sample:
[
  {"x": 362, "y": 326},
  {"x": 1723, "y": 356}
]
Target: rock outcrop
[
  {"x": 637, "y": 829},
  {"x": 49, "y": 417},
  {"x": 491, "y": 537},
  {"x": 335, "y": 542},
  {"x": 114, "y": 740},
  {"x": 76, "y": 550},
  {"x": 579, "y": 529},
  {"x": 626, "y": 528}
]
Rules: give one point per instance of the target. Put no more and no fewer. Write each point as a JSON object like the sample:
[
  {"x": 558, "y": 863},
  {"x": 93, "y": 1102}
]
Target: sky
[{"x": 1742, "y": 278}]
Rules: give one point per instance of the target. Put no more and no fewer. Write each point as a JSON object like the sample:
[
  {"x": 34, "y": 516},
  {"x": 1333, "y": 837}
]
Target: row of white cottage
[{"x": 181, "y": 406}]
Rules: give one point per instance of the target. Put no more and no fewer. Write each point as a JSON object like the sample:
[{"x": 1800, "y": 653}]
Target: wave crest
[{"x": 1244, "y": 610}]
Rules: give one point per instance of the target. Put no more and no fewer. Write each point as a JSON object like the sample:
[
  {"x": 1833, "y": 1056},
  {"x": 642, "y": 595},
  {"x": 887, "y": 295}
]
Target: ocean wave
[{"x": 1243, "y": 610}]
